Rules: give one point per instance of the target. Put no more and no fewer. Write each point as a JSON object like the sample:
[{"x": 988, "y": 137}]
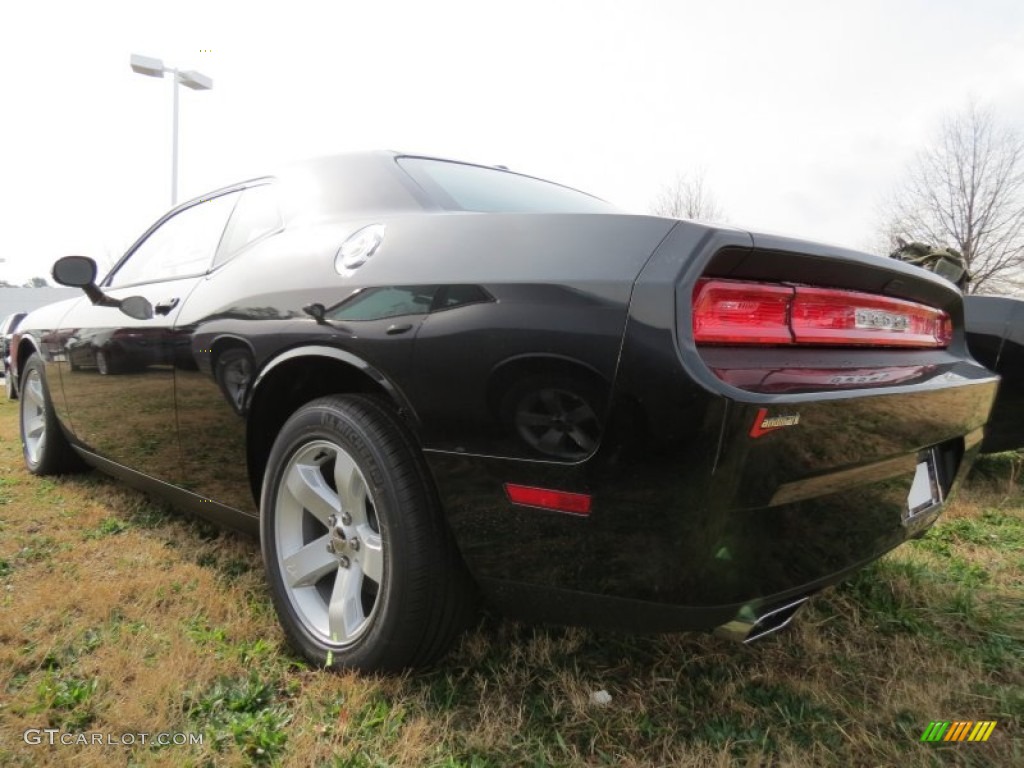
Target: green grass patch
[
  {"x": 243, "y": 712},
  {"x": 66, "y": 701}
]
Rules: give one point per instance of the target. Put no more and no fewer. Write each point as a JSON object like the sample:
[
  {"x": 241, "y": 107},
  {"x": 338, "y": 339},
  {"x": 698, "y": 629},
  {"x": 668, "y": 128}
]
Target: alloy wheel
[
  {"x": 33, "y": 415},
  {"x": 329, "y": 547}
]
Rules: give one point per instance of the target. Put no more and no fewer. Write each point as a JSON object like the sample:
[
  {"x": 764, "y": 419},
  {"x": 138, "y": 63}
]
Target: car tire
[
  {"x": 363, "y": 571},
  {"x": 44, "y": 445}
]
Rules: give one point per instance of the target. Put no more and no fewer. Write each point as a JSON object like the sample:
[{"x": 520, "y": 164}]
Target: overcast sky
[{"x": 802, "y": 114}]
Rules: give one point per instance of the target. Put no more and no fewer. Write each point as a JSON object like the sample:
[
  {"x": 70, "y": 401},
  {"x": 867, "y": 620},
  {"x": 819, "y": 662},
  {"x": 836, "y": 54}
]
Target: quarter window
[
  {"x": 381, "y": 303},
  {"x": 183, "y": 245},
  {"x": 256, "y": 215}
]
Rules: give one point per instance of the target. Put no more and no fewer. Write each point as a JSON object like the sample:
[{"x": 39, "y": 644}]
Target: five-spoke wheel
[
  {"x": 33, "y": 415},
  {"x": 44, "y": 444},
  {"x": 361, "y": 566},
  {"x": 329, "y": 546}
]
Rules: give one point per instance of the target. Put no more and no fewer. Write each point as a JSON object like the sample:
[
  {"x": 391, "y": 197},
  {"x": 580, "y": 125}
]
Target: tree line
[{"x": 35, "y": 282}]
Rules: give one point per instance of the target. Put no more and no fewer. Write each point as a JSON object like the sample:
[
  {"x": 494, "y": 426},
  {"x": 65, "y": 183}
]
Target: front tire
[
  {"x": 44, "y": 445},
  {"x": 362, "y": 569}
]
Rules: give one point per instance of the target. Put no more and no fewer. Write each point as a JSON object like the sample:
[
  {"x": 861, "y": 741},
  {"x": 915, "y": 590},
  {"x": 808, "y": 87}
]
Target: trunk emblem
[{"x": 763, "y": 423}]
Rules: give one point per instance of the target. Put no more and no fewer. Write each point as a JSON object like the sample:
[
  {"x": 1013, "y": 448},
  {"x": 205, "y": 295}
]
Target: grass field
[{"x": 118, "y": 617}]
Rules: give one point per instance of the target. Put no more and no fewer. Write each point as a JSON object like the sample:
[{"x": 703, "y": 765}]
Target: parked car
[
  {"x": 119, "y": 350},
  {"x": 995, "y": 336},
  {"x": 7, "y": 329},
  {"x": 419, "y": 380}
]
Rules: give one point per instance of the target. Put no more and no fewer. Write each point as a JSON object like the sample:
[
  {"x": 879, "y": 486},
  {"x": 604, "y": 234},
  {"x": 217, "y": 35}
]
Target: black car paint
[{"x": 692, "y": 520}]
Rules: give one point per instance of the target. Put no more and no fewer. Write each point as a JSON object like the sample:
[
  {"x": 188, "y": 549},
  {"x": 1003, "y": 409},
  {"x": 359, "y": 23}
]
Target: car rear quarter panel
[{"x": 569, "y": 312}]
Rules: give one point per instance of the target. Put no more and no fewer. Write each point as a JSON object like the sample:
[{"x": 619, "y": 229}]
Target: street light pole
[
  {"x": 197, "y": 81},
  {"x": 174, "y": 147}
]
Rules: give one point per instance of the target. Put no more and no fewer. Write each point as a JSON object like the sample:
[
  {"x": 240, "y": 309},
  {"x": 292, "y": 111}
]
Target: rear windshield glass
[{"x": 462, "y": 187}]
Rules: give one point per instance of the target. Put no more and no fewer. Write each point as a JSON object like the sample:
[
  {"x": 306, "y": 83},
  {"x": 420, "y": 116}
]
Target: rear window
[{"x": 462, "y": 187}]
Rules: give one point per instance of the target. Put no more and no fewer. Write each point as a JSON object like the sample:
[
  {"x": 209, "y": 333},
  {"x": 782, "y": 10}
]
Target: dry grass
[{"x": 120, "y": 617}]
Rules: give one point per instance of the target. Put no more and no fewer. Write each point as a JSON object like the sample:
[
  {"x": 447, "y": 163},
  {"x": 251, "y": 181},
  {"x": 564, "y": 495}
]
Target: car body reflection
[
  {"x": 116, "y": 350},
  {"x": 796, "y": 380}
]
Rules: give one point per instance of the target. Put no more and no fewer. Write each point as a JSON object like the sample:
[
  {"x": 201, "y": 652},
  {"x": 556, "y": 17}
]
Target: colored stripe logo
[{"x": 958, "y": 730}]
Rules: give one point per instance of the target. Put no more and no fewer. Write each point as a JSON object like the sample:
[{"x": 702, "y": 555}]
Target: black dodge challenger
[{"x": 421, "y": 380}]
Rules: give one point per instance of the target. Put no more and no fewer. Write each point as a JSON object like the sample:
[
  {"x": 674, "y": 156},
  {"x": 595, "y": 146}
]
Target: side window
[
  {"x": 381, "y": 303},
  {"x": 183, "y": 245},
  {"x": 257, "y": 214}
]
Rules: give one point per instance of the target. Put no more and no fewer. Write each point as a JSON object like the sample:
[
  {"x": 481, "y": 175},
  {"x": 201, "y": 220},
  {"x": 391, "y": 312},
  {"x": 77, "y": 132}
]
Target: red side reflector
[
  {"x": 744, "y": 313},
  {"x": 562, "y": 501}
]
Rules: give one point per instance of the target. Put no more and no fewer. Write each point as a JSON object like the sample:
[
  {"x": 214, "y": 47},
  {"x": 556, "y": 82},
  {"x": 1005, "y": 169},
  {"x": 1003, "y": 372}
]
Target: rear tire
[
  {"x": 362, "y": 568},
  {"x": 9, "y": 385},
  {"x": 45, "y": 447}
]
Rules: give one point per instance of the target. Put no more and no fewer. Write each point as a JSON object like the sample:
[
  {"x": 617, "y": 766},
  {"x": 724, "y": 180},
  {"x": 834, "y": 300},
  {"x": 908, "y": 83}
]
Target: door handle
[
  {"x": 165, "y": 307},
  {"x": 396, "y": 329}
]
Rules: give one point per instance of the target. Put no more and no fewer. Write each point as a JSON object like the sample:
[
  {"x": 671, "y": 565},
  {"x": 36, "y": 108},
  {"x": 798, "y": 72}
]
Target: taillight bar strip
[{"x": 734, "y": 312}]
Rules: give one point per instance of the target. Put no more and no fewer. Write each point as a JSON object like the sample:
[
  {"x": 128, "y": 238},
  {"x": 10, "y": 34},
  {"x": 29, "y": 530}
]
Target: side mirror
[
  {"x": 317, "y": 312},
  {"x": 137, "y": 307},
  {"x": 75, "y": 271},
  {"x": 80, "y": 272}
]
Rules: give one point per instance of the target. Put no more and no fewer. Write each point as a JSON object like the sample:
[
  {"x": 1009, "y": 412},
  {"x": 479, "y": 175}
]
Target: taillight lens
[
  {"x": 736, "y": 312},
  {"x": 823, "y": 316},
  {"x": 727, "y": 312}
]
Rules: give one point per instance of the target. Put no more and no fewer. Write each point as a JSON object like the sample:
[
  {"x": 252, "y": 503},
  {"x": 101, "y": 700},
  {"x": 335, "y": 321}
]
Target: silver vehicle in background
[{"x": 7, "y": 329}]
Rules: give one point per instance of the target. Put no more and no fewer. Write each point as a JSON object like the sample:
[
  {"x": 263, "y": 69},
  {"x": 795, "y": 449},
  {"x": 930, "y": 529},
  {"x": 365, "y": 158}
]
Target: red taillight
[
  {"x": 741, "y": 313},
  {"x": 824, "y": 316},
  {"x": 734, "y": 312},
  {"x": 562, "y": 501}
]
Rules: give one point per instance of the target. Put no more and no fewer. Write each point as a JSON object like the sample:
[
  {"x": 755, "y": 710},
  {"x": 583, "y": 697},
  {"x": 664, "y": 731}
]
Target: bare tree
[
  {"x": 687, "y": 197},
  {"x": 966, "y": 191}
]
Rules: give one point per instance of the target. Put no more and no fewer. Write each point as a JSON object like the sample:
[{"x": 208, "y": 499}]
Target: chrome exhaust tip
[{"x": 750, "y": 625}]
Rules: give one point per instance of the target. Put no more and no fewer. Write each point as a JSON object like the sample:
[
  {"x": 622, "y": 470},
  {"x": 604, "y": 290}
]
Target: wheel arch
[
  {"x": 27, "y": 346},
  {"x": 297, "y": 377}
]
